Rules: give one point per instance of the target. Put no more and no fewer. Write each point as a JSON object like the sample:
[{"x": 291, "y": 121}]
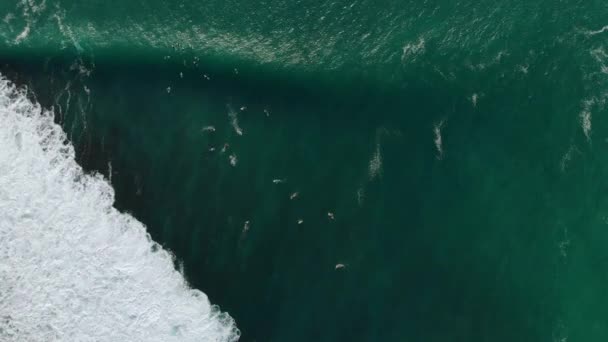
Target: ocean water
[{"x": 320, "y": 170}]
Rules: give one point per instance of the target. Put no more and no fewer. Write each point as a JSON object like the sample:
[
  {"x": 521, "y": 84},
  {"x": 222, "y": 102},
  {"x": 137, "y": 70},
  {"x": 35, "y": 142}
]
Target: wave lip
[{"x": 72, "y": 267}]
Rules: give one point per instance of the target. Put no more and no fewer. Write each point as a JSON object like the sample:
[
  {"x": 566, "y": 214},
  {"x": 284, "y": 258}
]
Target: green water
[{"x": 460, "y": 146}]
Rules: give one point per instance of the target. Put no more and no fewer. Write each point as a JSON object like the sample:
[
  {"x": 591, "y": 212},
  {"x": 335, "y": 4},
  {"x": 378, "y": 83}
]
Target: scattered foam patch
[
  {"x": 585, "y": 117},
  {"x": 586, "y": 122},
  {"x": 375, "y": 163},
  {"x": 411, "y": 50},
  {"x": 593, "y": 33},
  {"x": 567, "y": 157},
  {"x": 233, "y": 159},
  {"x": 360, "y": 195},
  {"x": 234, "y": 121},
  {"x": 30, "y": 13},
  {"x": 73, "y": 268},
  {"x": 474, "y": 99},
  {"x": 438, "y": 140},
  {"x": 23, "y": 34}
]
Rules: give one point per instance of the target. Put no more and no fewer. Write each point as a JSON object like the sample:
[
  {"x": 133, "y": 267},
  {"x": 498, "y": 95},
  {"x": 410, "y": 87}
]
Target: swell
[
  {"x": 327, "y": 50},
  {"x": 338, "y": 46}
]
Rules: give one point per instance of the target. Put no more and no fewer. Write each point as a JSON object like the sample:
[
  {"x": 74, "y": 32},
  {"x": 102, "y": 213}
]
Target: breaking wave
[{"x": 72, "y": 267}]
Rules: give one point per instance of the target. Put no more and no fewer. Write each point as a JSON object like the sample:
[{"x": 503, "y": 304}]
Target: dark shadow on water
[{"x": 423, "y": 248}]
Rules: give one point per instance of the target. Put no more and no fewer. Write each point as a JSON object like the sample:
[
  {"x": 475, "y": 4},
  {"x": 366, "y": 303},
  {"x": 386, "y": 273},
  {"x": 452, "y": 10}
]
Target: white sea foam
[
  {"x": 438, "y": 139},
  {"x": 567, "y": 157},
  {"x": 23, "y": 34},
  {"x": 375, "y": 163},
  {"x": 32, "y": 6},
  {"x": 411, "y": 50},
  {"x": 474, "y": 99},
  {"x": 8, "y": 18},
  {"x": 233, "y": 159},
  {"x": 594, "y": 32},
  {"x": 360, "y": 195},
  {"x": 585, "y": 117},
  {"x": 208, "y": 129},
  {"x": 564, "y": 244},
  {"x": 30, "y": 12},
  {"x": 65, "y": 29},
  {"x": 73, "y": 268},
  {"x": 234, "y": 120}
]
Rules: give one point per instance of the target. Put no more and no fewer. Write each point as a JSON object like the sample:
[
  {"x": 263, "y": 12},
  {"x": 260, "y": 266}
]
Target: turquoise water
[{"x": 450, "y": 156}]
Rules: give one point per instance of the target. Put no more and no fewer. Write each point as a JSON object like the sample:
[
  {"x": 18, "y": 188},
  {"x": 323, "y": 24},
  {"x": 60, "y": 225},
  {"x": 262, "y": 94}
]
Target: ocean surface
[{"x": 288, "y": 170}]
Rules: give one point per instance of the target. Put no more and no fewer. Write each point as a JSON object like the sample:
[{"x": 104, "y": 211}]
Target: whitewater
[{"x": 72, "y": 267}]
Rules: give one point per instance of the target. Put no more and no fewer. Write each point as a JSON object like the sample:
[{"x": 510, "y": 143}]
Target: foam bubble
[{"x": 73, "y": 268}]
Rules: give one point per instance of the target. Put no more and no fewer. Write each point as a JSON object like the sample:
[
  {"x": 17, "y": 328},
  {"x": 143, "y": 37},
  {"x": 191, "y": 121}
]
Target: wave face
[{"x": 72, "y": 267}]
